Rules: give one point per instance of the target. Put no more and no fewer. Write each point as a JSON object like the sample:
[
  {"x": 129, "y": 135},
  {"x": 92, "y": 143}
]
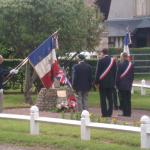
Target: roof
[
  {"x": 145, "y": 23},
  {"x": 118, "y": 27}
]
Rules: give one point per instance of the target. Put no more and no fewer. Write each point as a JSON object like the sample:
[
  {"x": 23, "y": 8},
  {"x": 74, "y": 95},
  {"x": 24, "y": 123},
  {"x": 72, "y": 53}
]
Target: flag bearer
[
  {"x": 125, "y": 76},
  {"x": 105, "y": 79},
  {"x": 3, "y": 73}
]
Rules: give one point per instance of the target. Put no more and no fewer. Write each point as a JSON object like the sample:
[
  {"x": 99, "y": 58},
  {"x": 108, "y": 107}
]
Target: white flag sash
[
  {"x": 102, "y": 76},
  {"x": 126, "y": 71}
]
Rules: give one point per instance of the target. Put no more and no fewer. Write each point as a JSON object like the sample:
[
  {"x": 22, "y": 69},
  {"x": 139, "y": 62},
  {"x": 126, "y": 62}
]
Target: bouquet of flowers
[{"x": 69, "y": 104}]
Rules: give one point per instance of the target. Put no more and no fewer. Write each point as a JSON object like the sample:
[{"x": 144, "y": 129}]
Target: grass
[
  {"x": 138, "y": 101},
  {"x": 15, "y": 101},
  {"x": 15, "y": 132},
  {"x": 140, "y": 77}
]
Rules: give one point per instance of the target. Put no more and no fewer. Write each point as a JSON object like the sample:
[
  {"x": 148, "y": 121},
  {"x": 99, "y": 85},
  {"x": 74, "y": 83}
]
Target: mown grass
[
  {"x": 138, "y": 101},
  {"x": 140, "y": 77},
  {"x": 16, "y": 101},
  {"x": 66, "y": 137}
]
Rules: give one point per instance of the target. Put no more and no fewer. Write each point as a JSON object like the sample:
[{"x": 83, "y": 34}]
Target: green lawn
[
  {"x": 140, "y": 77},
  {"x": 15, "y": 132},
  {"x": 141, "y": 102},
  {"x": 138, "y": 101},
  {"x": 15, "y": 101}
]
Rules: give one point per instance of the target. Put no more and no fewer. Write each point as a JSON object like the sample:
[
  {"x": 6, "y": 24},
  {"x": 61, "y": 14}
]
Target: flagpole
[
  {"x": 55, "y": 32},
  {"x": 24, "y": 61},
  {"x": 9, "y": 76},
  {"x": 46, "y": 40}
]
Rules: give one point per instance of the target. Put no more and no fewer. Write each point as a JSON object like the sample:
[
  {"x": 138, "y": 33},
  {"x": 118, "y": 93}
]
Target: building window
[{"x": 111, "y": 41}]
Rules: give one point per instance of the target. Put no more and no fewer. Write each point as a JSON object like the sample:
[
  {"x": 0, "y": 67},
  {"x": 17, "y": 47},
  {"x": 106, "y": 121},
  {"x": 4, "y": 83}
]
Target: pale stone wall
[
  {"x": 141, "y": 7},
  {"x": 121, "y": 9},
  {"x": 148, "y": 7},
  {"x": 103, "y": 41},
  {"x": 129, "y": 8}
]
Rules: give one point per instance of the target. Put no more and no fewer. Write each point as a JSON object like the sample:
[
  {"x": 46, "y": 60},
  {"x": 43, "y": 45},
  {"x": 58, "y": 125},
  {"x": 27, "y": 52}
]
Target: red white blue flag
[
  {"x": 44, "y": 61},
  {"x": 127, "y": 41}
]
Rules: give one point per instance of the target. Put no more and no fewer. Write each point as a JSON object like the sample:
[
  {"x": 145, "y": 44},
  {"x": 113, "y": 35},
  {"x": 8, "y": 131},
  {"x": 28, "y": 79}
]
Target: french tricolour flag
[
  {"x": 44, "y": 61},
  {"x": 127, "y": 41}
]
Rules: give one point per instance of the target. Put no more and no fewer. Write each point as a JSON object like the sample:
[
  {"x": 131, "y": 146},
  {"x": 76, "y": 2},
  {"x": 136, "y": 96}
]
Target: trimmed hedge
[
  {"x": 117, "y": 51},
  {"x": 18, "y": 80}
]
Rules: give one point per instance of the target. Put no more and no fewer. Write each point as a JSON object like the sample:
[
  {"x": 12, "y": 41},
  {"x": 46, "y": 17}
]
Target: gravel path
[{"x": 136, "y": 114}]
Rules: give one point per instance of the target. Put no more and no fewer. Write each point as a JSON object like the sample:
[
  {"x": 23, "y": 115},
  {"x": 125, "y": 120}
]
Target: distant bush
[
  {"x": 117, "y": 51},
  {"x": 16, "y": 81}
]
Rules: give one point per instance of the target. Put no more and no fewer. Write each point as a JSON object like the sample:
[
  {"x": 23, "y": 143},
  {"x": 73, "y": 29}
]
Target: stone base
[{"x": 48, "y": 98}]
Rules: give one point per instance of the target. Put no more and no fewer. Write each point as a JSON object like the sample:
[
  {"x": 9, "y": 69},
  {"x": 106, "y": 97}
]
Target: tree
[{"x": 24, "y": 24}]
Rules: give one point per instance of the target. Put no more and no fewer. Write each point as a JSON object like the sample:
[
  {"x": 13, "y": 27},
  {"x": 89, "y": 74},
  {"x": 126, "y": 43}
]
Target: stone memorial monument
[{"x": 48, "y": 98}]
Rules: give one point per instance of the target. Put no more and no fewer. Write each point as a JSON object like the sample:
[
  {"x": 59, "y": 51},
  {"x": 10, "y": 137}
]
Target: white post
[
  {"x": 34, "y": 126},
  {"x": 145, "y": 132},
  {"x": 85, "y": 120},
  {"x": 132, "y": 90},
  {"x": 143, "y": 91}
]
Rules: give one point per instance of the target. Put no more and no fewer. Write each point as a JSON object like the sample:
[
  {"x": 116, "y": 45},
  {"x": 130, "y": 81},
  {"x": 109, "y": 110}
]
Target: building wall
[
  {"x": 142, "y": 7},
  {"x": 129, "y": 8},
  {"x": 121, "y": 9},
  {"x": 148, "y": 7}
]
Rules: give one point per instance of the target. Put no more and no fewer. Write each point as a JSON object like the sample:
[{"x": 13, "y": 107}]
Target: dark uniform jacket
[
  {"x": 82, "y": 77},
  {"x": 3, "y": 72},
  {"x": 109, "y": 80},
  {"x": 125, "y": 83}
]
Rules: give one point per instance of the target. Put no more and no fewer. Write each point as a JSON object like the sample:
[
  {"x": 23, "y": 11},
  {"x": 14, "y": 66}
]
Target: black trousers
[
  {"x": 115, "y": 98},
  {"x": 106, "y": 101},
  {"x": 125, "y": 98}
]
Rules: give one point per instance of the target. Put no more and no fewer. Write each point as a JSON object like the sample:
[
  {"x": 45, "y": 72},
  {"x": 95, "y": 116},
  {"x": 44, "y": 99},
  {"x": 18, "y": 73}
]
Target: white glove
[
  {"x": 1, "y": 91},
  {"x": 13, "y": 71}
]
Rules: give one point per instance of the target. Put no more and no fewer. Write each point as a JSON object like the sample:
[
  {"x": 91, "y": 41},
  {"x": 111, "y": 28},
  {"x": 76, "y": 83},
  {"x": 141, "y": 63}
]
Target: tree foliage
[{"x": 24, "y": 24}]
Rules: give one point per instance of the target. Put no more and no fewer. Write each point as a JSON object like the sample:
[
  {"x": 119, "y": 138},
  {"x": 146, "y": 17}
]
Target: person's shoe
[{"x": 123, "y": 115}]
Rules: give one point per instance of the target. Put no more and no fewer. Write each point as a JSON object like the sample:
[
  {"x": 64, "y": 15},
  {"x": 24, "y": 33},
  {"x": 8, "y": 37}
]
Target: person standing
[
  {"x": 82, "y": 81},
  {"x": 3, "y": 73},
  {"x": 105, "y": 78},
  {"x": 125, "y": 77}
]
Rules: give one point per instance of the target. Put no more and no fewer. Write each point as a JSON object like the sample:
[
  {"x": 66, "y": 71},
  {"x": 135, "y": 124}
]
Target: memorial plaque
[{"x": 61, "y": 93}]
